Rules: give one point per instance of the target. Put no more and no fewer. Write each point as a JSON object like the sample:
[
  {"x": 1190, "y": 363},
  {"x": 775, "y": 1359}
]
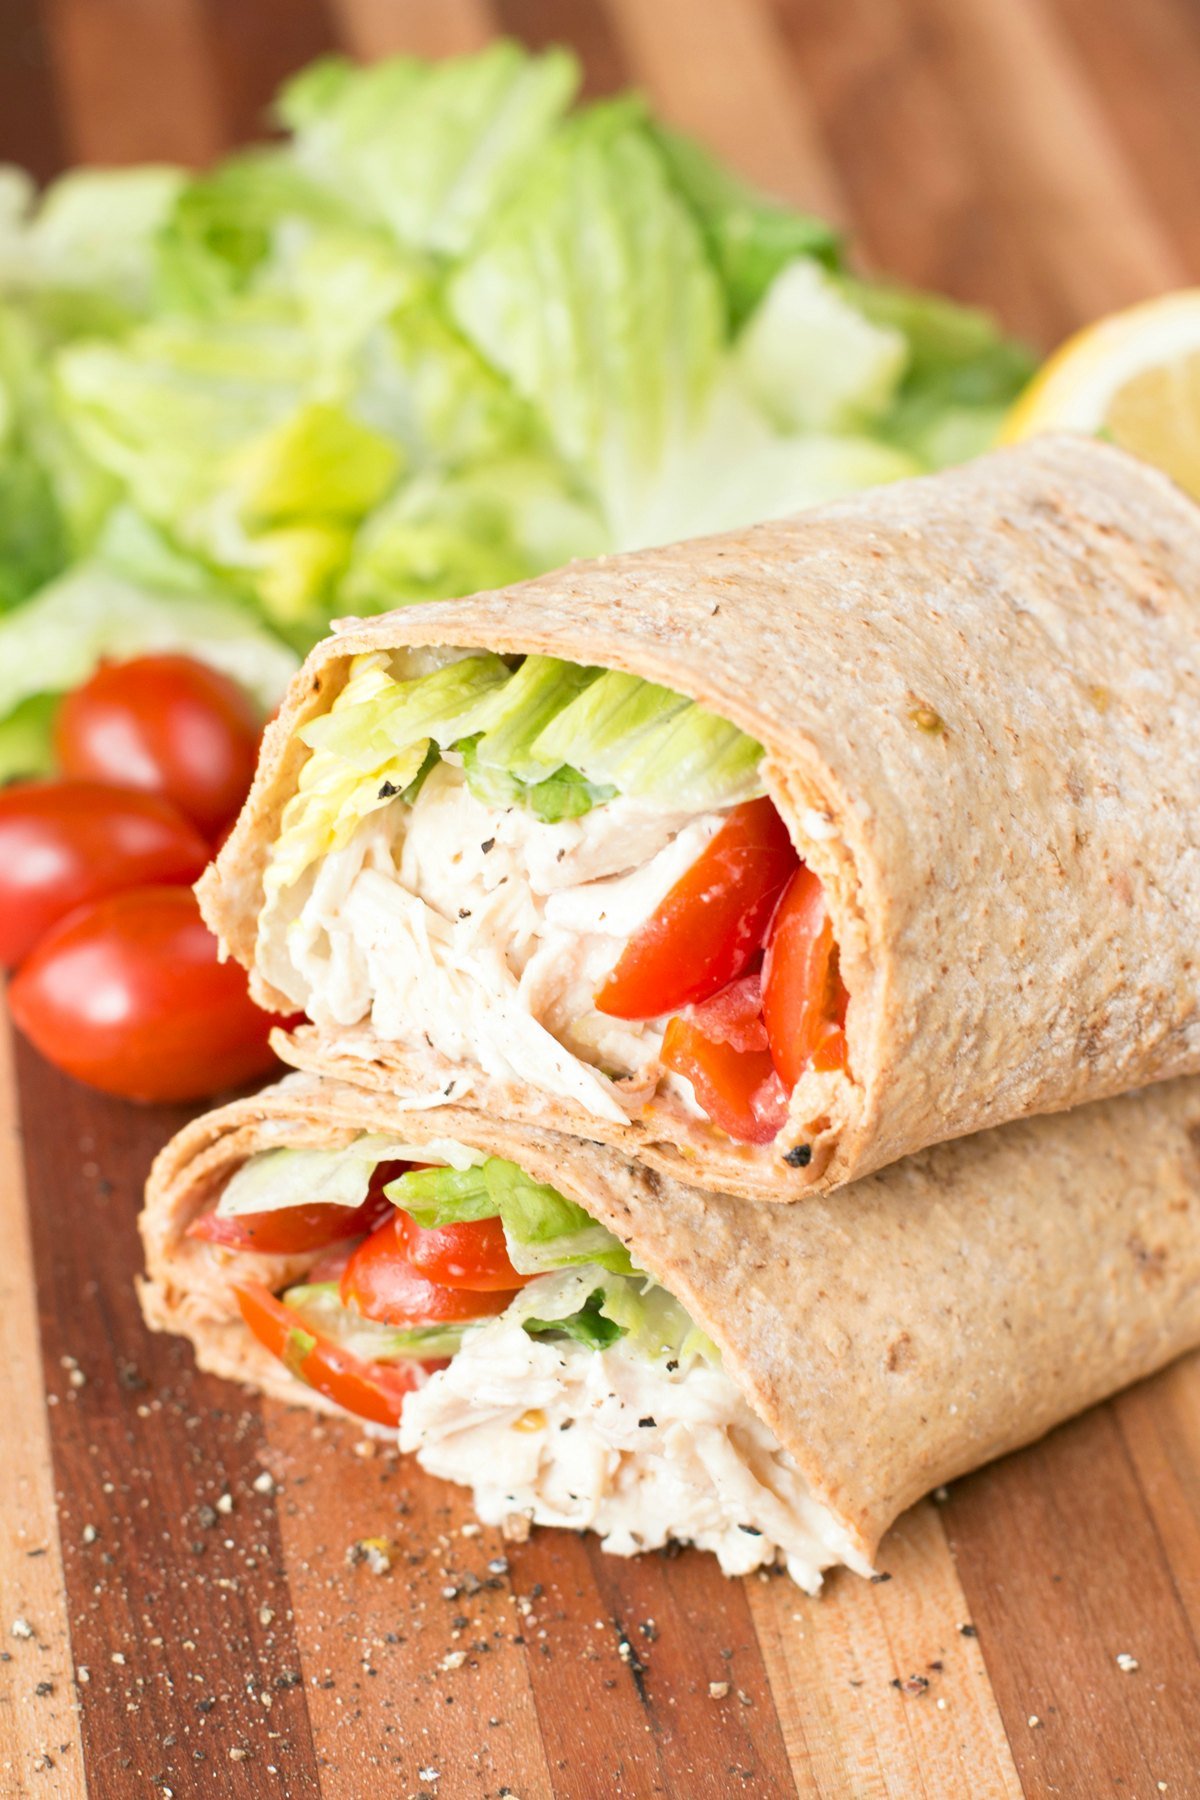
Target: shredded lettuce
[
  {"x": 275, "y": 1179},
  {"x": 543, "y": 1229},
  {"x": 591, "y": 1305},
  {"x": 550, "y": 736},
  {"x": 320, "y": 1307}
]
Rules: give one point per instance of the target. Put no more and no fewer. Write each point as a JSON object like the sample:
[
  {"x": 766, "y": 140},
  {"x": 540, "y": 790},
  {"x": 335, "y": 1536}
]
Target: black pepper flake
[
  {"x": 205, "y": 1706},
  {"x": 43, "y": 1688},
  {"x": 464, "y": 912},
  {"x": 882, "y": 1576},
  {"x": 643, "y": 1423},
  {"x": 799, "y": 1156},
  {"x": 672, "y": 1366},
  {"x": 488, "y": 844},
  {"x": 288, "y": 1678},
  {"x": 388, "y": 791},
  {"x": 969, "y": 1631},
  {"x": 750, "y": 1530}
]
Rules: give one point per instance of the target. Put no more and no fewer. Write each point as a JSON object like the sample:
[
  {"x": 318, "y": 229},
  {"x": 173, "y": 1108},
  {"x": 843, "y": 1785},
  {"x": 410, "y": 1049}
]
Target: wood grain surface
[{"x": 182, "y": 1611}]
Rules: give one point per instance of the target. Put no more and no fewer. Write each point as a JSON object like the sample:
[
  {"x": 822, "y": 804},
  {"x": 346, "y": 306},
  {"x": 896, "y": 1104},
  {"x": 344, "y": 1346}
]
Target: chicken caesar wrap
[
  {"x": 584, "y": 1342},
  {"x": 767, "y": 858}
]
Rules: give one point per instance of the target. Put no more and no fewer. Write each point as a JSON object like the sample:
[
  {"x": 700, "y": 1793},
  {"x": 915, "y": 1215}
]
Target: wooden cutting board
[{"x": 187, "y": 1606}]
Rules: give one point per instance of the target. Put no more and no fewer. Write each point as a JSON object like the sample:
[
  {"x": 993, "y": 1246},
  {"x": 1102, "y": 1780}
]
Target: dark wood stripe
[
  {"x": 1064, "y": 1573},
  {"x": 157, "y": 104},
  {"x": 587, "y": 28},
  {"x": 30, "y": 125},
  {"x": 165, "y": 1597},
  {"x": 621, "y": 1679},
  {"x": 255, "y": 47}
]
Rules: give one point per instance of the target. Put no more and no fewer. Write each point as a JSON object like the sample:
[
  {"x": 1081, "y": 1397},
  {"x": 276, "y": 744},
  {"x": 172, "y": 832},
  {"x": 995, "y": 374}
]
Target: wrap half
[
  {"x": 772, "y": 1384},
  {"x": 769, "y": 858}
]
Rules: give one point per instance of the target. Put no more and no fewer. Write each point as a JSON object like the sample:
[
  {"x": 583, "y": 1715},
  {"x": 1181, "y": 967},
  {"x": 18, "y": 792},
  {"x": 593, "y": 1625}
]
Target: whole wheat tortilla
[
  {"x": 933, "y": 1316},
  {"x": 979, "y": 694}
]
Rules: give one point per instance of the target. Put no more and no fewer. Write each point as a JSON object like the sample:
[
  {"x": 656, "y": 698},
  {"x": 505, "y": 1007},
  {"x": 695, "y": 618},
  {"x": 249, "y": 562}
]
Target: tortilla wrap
[
  {"x": 936, "y": 1315},
  {"x": 979, "y": 697}
]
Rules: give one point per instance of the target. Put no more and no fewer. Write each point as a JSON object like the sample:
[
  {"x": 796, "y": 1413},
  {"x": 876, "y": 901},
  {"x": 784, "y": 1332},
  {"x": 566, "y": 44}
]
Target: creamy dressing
[
  {"x": 483, "y": 933},
  {"x": 612, "y": 1442}
]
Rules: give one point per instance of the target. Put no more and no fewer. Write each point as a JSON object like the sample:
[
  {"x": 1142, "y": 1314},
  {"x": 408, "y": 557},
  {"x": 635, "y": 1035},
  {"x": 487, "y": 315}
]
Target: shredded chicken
[
  {"x": 483, "y": 933},
  {"x": 639, "y": 1451}
]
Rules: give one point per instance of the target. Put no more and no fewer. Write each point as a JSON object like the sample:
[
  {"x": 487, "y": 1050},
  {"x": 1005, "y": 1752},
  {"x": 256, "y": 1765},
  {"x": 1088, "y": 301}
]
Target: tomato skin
[
  {"x": 473, "y": 1256},
  {"x": 381, "y": 1282},
  {"x": 804, "y": 1000},
  {"x": 709, "y": 927},
  {"x": 64, "y": 843},
  {"x": 722, "y": 1050},
  {"x": 369, "y": 1390},
  {"x": 128, "y": 995},
  {"x": 168, "y": 725},
  {"x": 738, "y": 1089},
  {"x": 289, "y": 1230}
]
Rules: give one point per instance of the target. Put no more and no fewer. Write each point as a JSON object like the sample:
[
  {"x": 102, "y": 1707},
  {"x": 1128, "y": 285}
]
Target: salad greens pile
[{"x": 452, "y": 330}]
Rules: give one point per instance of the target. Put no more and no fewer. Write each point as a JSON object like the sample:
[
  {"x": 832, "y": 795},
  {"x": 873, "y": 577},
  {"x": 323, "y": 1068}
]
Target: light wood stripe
[
  {"x": 717, "y": 71},
  {"x": 375, "y": 28},
  {"x": 40, "y": 1747},
  {"x": 1053, "y": 155},
  {"x": 832, "y": 1661},
  {"x": 102, "y": 51}
]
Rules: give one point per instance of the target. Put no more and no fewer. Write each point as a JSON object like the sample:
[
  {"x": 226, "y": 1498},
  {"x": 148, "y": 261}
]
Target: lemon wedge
[{"x": 1135, "y": 377}]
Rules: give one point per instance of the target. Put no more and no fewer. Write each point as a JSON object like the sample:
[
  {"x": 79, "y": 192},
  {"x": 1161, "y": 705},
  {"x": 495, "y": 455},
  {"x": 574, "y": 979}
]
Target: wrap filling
[
  {"x": 515, "y": 1346},
  {"x": 566, "y": 877}
]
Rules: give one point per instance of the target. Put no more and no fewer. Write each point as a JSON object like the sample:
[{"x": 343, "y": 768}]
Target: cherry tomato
[
  {"x": 738, "y": 1089},
  {"x": 804, "y": 1001},
  {"x": 289, "y": 1230},
  {"x": 166, "y": 724},
  {"x": 384, "y": 1285},
  {"x": 63, "y": 843},
  {"x": 128, "y": 995},
  {"x": 708, "y": 928},
  {"x": 473, "y": 1256},
  {"x": 369, "y": 1390}
]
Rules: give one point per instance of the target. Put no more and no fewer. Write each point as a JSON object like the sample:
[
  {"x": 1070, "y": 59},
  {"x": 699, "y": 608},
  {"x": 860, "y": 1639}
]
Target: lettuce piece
[
  {"x": 459, "y": 531},
  {"x": 55, "y": 640},
  {"x": 652, "y": 744},
  {"x": 962, "y": 373},
  {"x": 534, "y": 695},
  {"x": 430, "y": 148},
  {"x": 586, "y": 1326},
  {"x": 564, "y": 795},
  {"x": 592, "y": 1305},
  {"x": 320, "y": 462},
  {"x": 92, "y": 229},
  {"x": 544, "y": 1230},
  {"x": 593, "y": 293},
  {"x": 27, "y": 739},
  {"x": 274, "y": 1179},
  {"x": 319, "y": 1306},
  {"x": 812, "y": 361},
  {"x": 750, "y": 236}
]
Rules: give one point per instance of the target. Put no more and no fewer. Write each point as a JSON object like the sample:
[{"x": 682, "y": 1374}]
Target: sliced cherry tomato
[
  {"x": 63, "y": 843},
  {"x": 473, "y": 1256},
  {"x": 369, "y": 1390},
  {"x": 288, "y": 1230},
  {"x": 166, "y": 724},
  {"x": 383, "y": 1284},
  {"x": 712, "y": 922},
  {"x": 738, "y": 1089},
  {"x": 804, "y": 1000},
  {"x": 128, "y": 995}
]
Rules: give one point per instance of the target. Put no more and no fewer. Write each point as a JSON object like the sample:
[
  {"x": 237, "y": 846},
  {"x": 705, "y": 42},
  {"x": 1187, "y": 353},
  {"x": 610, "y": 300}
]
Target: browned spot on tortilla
[
  {"x": 1152, "y": 1263},
  {"x": 899, "y": 1354}
]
